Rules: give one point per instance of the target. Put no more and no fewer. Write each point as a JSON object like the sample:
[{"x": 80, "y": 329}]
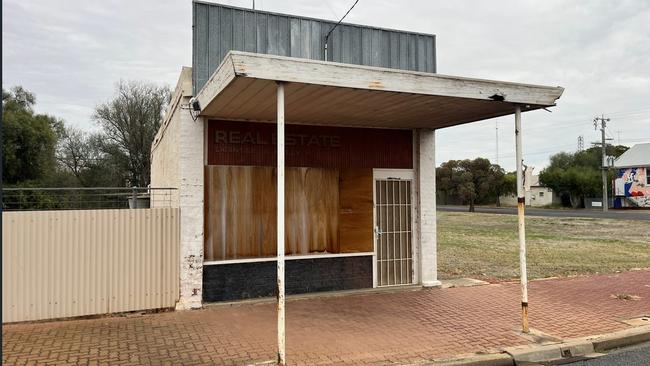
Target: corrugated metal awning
[{"x": 328, "y": 93}]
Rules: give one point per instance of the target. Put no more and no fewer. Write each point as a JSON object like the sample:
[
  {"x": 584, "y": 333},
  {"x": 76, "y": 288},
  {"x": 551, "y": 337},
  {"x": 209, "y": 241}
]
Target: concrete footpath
[{"x": 413, "y": 326}]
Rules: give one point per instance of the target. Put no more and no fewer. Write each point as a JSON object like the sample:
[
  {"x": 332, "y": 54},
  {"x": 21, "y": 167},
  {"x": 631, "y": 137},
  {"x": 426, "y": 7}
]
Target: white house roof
[
  {"x": 637, "y": 156},
  {"x": 328, "y": 93}
]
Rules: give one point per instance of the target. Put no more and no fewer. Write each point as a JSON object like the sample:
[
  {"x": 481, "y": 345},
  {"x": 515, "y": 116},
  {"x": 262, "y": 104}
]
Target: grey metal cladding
[{"x": 217, "y": 29}]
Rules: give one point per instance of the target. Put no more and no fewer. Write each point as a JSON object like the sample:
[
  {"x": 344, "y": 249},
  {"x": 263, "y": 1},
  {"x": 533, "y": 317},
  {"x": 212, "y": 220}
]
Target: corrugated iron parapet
[{"x": 219, "y": 29}]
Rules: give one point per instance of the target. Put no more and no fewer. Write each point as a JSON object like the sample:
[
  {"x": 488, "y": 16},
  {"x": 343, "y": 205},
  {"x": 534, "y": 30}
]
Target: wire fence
[{"x": 31, "y": 199}]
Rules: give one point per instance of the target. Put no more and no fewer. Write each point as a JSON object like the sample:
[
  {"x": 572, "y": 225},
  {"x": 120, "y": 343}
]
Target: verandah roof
[{"x": 327, "y": 93}]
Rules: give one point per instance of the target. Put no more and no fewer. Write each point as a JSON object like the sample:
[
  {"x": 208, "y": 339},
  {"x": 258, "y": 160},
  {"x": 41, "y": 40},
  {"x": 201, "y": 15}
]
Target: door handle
[{"x": 378, "y": 231}]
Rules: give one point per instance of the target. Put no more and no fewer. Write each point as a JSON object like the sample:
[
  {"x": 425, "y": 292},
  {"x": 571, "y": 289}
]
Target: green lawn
[{"x": 486, "y": 246}]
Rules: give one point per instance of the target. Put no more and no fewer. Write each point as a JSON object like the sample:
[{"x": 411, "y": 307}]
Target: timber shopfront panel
[
  {"x": 329, "y": 206},
  {"x": 253, "y": 144}
]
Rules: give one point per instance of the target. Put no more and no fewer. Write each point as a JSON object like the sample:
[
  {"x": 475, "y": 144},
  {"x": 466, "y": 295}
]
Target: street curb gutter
[
  {"x": 489, "y": 359},
  {"x": 550, "y": 352},
  {"x": 627, "y": 337}
]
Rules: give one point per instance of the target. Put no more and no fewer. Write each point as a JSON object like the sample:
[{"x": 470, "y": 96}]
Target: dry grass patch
[{"x": 485, "y": 246}]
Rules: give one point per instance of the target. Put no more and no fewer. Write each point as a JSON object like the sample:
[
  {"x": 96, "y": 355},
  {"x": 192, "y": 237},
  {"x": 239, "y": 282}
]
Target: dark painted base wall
[{"x": 239, "y": 281}]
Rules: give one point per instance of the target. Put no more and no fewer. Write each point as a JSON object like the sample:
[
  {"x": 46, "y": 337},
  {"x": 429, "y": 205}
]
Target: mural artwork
[{"x": 632, "y": 188}]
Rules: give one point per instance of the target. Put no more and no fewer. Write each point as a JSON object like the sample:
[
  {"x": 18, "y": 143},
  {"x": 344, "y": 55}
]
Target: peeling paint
[
  {"x": 178, "y": 163},
  {"x": 376, "y": 85}
]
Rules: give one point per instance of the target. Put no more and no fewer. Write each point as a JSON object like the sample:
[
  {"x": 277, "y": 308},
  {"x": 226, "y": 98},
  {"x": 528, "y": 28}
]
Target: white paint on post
[
  {"x": 521, "y": 222},
  {"x": 427, "y": 209},
  {"x": 280, "y": 223}
]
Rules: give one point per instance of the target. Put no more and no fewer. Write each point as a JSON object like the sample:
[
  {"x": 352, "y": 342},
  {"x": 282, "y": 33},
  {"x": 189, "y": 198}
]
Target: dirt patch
[{"x": 626, "y": 297}]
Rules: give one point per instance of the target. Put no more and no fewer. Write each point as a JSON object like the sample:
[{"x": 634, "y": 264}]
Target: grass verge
[{"x": 486, "y": 246}]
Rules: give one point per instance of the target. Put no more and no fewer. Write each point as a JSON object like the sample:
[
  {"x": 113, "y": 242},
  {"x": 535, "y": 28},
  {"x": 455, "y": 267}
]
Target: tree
[
  {"x": 74, "y": 151},
  {"x": 509, "y": 185},
  {"x": 129, "y": 123},
  {"x": 29, "y": 139},
  {"x": 88, "y": 159},
  {"x": 445, "y": 182},
  {"x": 471, "y": 181},
  {"x": 577, "y": 175}
]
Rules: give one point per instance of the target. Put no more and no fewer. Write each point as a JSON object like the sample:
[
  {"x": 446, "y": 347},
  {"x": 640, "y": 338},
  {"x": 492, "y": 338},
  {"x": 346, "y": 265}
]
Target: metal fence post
[
  {"x": 134, "y": 197},
  {"x": 521, "y": 202},
  {"x": 280, "y": 223}
]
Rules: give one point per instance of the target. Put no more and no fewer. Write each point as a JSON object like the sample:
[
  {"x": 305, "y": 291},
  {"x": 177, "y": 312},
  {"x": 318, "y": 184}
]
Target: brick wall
[
  {"x": 238, "y": 281},
  {"x": 177, "y": 161}
]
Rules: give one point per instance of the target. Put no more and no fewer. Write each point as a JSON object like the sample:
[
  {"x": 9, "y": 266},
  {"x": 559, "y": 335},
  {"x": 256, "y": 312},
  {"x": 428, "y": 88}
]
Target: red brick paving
[{"x": 395, "y": 327}]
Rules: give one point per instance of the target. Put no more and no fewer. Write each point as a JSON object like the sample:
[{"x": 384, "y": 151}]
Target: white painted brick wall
[
  {"x": 177, "y": 161},
  {"x": 427, "y": 208},
  {"x": 191, "y": 207}
]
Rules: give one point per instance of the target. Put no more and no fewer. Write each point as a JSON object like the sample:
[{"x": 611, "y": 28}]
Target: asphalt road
[
  {"x": 611, "y": 214},
  {"x": 633, "y": 356}
]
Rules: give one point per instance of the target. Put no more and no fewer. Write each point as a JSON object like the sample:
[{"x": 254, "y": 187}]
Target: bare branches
[{"x": 130, "y": 121}]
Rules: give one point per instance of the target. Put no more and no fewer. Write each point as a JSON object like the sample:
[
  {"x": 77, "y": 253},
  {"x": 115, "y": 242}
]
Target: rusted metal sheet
[
  {"x": 59, "y": 264},
  {"x": 245, "y": 143},
  {"x": 218, "y": 29}
]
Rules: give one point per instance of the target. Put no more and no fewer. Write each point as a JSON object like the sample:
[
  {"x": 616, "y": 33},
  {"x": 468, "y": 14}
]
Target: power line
[
  {"x": 633, "y": 118},
  {"x": 496, "y": 126},
  {"x": 336, "y": 25},
  {"x": 540, "y": 152},
  {"x": 642, "y": 139},
  {"x": 634, "y": 115},
  {"x": 645, "y": 110}
]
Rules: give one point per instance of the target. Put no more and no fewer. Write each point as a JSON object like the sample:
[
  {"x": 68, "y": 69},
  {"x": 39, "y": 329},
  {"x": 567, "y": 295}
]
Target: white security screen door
[{"x": 393, "y": 234}]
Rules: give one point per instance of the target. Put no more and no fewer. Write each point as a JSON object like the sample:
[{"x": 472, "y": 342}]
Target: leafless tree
[{"x": 129, "y": 122}]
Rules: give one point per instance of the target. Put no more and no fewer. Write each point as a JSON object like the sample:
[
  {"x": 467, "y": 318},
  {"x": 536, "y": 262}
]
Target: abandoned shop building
[{"x": 349, "y": 120}]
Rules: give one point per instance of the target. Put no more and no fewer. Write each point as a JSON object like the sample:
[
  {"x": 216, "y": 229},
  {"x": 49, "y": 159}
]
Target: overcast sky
[{"x": 71, "y": 53}]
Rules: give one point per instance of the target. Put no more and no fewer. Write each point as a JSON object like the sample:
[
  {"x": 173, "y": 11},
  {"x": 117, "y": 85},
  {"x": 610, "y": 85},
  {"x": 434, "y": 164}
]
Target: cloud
[{"x": 72, "y": 53}]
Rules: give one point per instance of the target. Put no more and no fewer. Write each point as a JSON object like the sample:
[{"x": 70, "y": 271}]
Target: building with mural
[{"x": 632, "y": 185}]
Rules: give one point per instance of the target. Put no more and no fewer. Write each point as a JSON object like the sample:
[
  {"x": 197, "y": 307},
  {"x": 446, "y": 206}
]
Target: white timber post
[
  {"x": 427, "y": 208},
  {"x": 521, "y": 202},
  {"x": 280, "y": 223}
]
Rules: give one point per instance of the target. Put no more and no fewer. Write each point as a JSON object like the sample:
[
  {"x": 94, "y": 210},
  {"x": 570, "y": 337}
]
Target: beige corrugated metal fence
[{"x": 58, "y": 264}]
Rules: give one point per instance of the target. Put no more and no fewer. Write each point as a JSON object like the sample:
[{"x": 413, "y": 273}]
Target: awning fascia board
[{"x": 240, "y": 65}]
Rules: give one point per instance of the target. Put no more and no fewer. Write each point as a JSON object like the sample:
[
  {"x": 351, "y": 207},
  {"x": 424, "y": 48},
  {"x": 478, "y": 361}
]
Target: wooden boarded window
[
  {"x": 240, "y": 217},
  {"x": 355, "y": 212}
]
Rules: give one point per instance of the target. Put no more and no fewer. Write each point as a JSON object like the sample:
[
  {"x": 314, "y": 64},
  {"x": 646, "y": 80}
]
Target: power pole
[
  {"x": 581, "y": 143},
  {"x": 603, "y": 148},
  {"x": 496, "y": 126}
]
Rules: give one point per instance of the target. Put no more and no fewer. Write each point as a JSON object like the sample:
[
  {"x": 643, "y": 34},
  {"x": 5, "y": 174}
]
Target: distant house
[
  {"x": 536, "y": 194},
  {"x": 631, "y": 187}
]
